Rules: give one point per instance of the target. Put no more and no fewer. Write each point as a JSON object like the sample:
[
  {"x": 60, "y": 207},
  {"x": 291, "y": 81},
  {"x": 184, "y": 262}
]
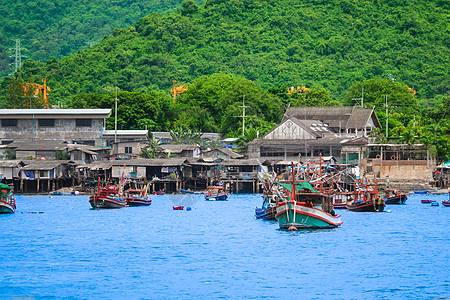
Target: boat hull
[
  {"x": 266, "y": 213},
  {"x": 398, "y": 199},
  {"x": 217, "y": 198},
  {"x": 7, "y": 208},
  {"x": 366, "y": 206},
  {"x": 300, "y": 216},
  {"x": 139, "y": 201},
  {"x": 446, "y": 203},
  {"x": 107, "y": 202}
]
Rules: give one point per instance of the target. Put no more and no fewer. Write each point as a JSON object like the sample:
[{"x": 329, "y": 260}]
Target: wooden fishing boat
[
  {"x": 268, "y": 209},
  {"x": 366, "y": 200},
  {"x": 305, "y": 207},
  {"x": 107, "y": 195},
  {"x": 340, "y": 199},
  {"x": 393, "y": 196},
  {"x": 7, "y": 200},
  {"x": 216, "y": 193},
  {"x": 138, "y": 197}
]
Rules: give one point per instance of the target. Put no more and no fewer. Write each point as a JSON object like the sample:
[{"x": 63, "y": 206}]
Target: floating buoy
[
  {"x": 434, "y": 203},
  {"x": 388, "y": 211},
  {"x": 178, "y": 207},
  {"x": 292, "y": 228},
  {"x": 188, "y": 208}
]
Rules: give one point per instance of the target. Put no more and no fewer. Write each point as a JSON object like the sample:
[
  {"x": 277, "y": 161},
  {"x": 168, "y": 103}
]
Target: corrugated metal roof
[
  {"x": 125, "y": 132},
  {"x": 98, "y": 111},
  {"x": 10, "y": 163},
  {"x": 43, "y": 164}
]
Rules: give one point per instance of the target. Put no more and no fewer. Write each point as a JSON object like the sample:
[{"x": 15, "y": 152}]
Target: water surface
[{"x": 219, "y": 250}]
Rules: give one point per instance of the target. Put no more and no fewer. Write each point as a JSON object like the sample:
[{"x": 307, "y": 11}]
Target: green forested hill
[
  {"x": 316, "y": 43},
  {"x": 57, "y": 28}
]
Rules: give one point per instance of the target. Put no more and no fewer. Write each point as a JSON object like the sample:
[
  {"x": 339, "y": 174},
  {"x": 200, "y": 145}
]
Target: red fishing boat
[
  {"x": 107, "y": 195},
  {"x": 366, "y": 199},
  {"x": 394, "y": 196}
]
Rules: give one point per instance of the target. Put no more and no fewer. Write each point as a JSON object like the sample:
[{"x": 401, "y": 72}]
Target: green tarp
[
  {"x": 298, "y": 186},
  {"x": 5, "y": 186}
]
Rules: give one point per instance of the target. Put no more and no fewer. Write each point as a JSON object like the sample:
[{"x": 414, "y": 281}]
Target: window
[
  {"x": 9, "y": 122},
  {"x": 46, "y": 122},
  {"x": 129, "y": 150},
  {"x": 83, "y": 122}
]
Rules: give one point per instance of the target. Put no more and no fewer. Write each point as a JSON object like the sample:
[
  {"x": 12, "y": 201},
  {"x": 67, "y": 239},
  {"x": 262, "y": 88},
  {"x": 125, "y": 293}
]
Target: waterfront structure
[
  {"x": 220, "y": 153},
  {"x": 309, "y": 132},
  {"x": 81, "y": 126},
  {"x": 42, "y": 176}
]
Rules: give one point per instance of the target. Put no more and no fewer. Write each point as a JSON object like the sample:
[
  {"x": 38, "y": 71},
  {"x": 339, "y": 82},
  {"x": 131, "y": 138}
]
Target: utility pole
[
  {"x": 115, "y": 118},
  {"x": 387, "y": 114},
  {"x": 243, "y": 114},
  {"x": 18, "y": 55}
]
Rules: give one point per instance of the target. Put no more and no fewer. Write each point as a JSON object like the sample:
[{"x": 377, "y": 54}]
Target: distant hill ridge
[{"x": 314, "y": 43}]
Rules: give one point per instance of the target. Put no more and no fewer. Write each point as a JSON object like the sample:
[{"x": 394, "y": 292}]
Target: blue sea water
[{"x": 219, "y": 250}]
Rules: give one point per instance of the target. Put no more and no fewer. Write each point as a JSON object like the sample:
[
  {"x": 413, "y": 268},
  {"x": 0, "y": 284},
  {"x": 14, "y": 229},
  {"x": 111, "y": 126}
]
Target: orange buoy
[{"x": 292, "y": 228}]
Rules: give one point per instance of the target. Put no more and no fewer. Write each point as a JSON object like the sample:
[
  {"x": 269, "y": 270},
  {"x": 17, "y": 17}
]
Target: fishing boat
[
  {"x": 216, "y": 193},
  {"x": 268, "y": 209},
  {"x": 271, "y": 197},
  {"x": 138, "y": 197},
  {"x": 107, "y": 195},
  {"x": 366, "y": 200},
  {"x": 160, "y": 192},
  {"x": 304, "y": 206},
  {"x": 340, "y": 199},
  {"x": 7, "y": 200},
  {"x": 393, "y": 196}
]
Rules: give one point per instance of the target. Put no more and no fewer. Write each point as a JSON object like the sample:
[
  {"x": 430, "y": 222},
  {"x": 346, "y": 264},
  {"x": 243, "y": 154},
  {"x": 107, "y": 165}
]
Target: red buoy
[{"x": 292, "y": 228}]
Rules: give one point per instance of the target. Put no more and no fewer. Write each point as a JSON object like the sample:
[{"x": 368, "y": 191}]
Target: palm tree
[
  {"x": 249, "y": 135},
  {"x": 152, "y": 149}
]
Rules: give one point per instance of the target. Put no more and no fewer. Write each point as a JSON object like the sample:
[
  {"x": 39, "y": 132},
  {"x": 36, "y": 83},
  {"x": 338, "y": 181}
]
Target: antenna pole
[
  {"x": 243, "y": 114},
  {"x": 115, "y": 118}
]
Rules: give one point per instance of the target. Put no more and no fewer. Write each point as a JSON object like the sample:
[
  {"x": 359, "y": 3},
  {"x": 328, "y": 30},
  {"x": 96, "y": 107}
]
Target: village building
[
  {"x": 220, "y": 153},
  {"x": 9, "y": 170},
  {"x": 112, "y": 136},
  {"x": 308, "y": 132},
  {"x": 43, "y": 176},
  {"x": 81, "y": 126}
]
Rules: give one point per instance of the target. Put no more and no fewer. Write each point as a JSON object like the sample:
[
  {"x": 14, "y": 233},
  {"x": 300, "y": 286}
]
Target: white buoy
[{"x": 388, "y": 211}]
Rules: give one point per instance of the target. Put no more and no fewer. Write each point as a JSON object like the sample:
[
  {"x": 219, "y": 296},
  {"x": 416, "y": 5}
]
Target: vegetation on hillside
[
  {"x": 58, "y": 28},
  {"x": 315, "y": 43},
  {"x": 232, "y": 53}
]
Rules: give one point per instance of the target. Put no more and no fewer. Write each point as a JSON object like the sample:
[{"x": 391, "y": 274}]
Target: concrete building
[{"x": 81, "y": 126}]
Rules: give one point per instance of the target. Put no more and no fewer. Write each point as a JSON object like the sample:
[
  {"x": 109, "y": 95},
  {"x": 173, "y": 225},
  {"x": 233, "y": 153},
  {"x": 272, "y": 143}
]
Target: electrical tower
[{"x": 18, "y": 56}]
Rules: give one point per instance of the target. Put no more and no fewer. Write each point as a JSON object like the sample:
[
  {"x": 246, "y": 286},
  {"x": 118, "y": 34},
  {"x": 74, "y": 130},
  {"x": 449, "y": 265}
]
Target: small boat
[
  {"x": 435, "y": 203},
  {"x": 107, "y": 195},
  {"x": 428, "y": 201},
  {"x": 268, "y": 209},
  {"x": 216, "y": 193},
  {"x": 138, "y": 197},
  {"x": 393, "y": 196},
  {"x": 160, "y": 192},
  {"x": 57, "y": 193},
  {"x": 420, "y": 192},
  {"x": 7, "y": 200},
  {"x": 446, "y": 203}
]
